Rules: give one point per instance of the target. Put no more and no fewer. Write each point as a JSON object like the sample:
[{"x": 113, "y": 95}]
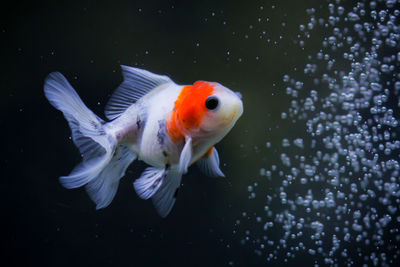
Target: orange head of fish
[{"x": 203, "y": 108}]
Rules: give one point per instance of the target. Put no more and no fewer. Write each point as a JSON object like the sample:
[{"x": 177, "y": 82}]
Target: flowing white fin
[
  {"x": 164, "y": 198},
  {"x": 85, "y": 172},
  {"x": 137, "y": 83},
  {"x": 209, "y": 165},
  {"x": 149, "y": 182},
  {"x": 103, "y": 188},
  {"x": 186, "y": 156},
  {"x": 87, "y": 129},
  {"x": 96, "y": 146}
]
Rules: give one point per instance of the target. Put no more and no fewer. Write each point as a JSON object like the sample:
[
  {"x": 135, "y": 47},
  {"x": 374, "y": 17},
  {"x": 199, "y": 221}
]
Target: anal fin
[{"x": 186, "y": 156}]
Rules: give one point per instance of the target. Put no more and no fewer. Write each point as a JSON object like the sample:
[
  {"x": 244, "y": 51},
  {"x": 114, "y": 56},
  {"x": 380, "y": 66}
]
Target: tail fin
[{"x": 101, "y": 168}]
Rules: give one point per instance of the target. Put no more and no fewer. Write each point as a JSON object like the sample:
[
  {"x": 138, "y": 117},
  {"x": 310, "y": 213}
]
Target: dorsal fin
[{"x": 137, "y": 83}]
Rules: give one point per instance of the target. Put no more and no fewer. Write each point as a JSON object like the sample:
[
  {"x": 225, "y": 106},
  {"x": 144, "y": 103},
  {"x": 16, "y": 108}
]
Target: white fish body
[{"x": 146, "y": 123}]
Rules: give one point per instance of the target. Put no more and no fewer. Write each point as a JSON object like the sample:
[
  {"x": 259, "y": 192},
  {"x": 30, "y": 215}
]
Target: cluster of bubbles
[{"x": 339, "y": 197}]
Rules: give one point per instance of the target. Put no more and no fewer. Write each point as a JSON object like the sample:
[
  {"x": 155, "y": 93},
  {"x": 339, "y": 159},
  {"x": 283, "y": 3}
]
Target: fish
[{"x": 150, "y": 118}]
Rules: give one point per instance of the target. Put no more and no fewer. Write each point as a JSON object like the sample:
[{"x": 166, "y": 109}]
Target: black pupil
[{"x": 211, "y": 103}]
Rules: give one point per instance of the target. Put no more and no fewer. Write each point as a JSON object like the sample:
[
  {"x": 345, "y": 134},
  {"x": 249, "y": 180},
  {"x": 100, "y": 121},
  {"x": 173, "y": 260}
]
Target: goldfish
[{"x": 150, "y": 118}]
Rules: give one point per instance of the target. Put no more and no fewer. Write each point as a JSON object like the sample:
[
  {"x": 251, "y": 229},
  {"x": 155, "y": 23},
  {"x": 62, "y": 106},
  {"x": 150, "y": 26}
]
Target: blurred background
[{"x": 248, "y": 47}]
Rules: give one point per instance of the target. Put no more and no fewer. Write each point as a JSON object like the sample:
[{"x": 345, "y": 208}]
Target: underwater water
[{"x": 312, "y": 167}]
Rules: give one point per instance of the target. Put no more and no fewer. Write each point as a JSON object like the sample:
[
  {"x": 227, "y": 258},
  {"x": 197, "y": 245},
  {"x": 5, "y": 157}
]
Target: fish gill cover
[{"x": 337, "y": 193}]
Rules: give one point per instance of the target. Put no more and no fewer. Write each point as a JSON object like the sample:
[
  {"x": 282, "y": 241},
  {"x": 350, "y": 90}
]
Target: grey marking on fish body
[
  {"x": 161, "y": 132},
  {"x": 139, "y": 123}
]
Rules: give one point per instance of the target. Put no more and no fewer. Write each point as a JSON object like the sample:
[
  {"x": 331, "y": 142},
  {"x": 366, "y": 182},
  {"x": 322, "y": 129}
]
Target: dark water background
[{"x": 46, "y": 225}]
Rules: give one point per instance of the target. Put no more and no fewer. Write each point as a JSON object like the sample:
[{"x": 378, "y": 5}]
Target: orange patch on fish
[{"x": 189, "y": 109}]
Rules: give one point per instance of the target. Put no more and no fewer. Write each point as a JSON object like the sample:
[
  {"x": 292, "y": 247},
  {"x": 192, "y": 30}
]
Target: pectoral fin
[
  {"x": 186, "y": 156},
  {"x": 209, "y": 163}
]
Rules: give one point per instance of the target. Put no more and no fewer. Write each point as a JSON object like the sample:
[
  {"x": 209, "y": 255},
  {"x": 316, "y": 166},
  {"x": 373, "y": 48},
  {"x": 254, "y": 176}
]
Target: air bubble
[{"x": 334, "y": 193}]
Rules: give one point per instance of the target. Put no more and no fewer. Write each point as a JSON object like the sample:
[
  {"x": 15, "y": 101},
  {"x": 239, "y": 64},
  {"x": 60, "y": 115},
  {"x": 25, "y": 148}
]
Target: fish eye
[{"x": 212, "y": 102}]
